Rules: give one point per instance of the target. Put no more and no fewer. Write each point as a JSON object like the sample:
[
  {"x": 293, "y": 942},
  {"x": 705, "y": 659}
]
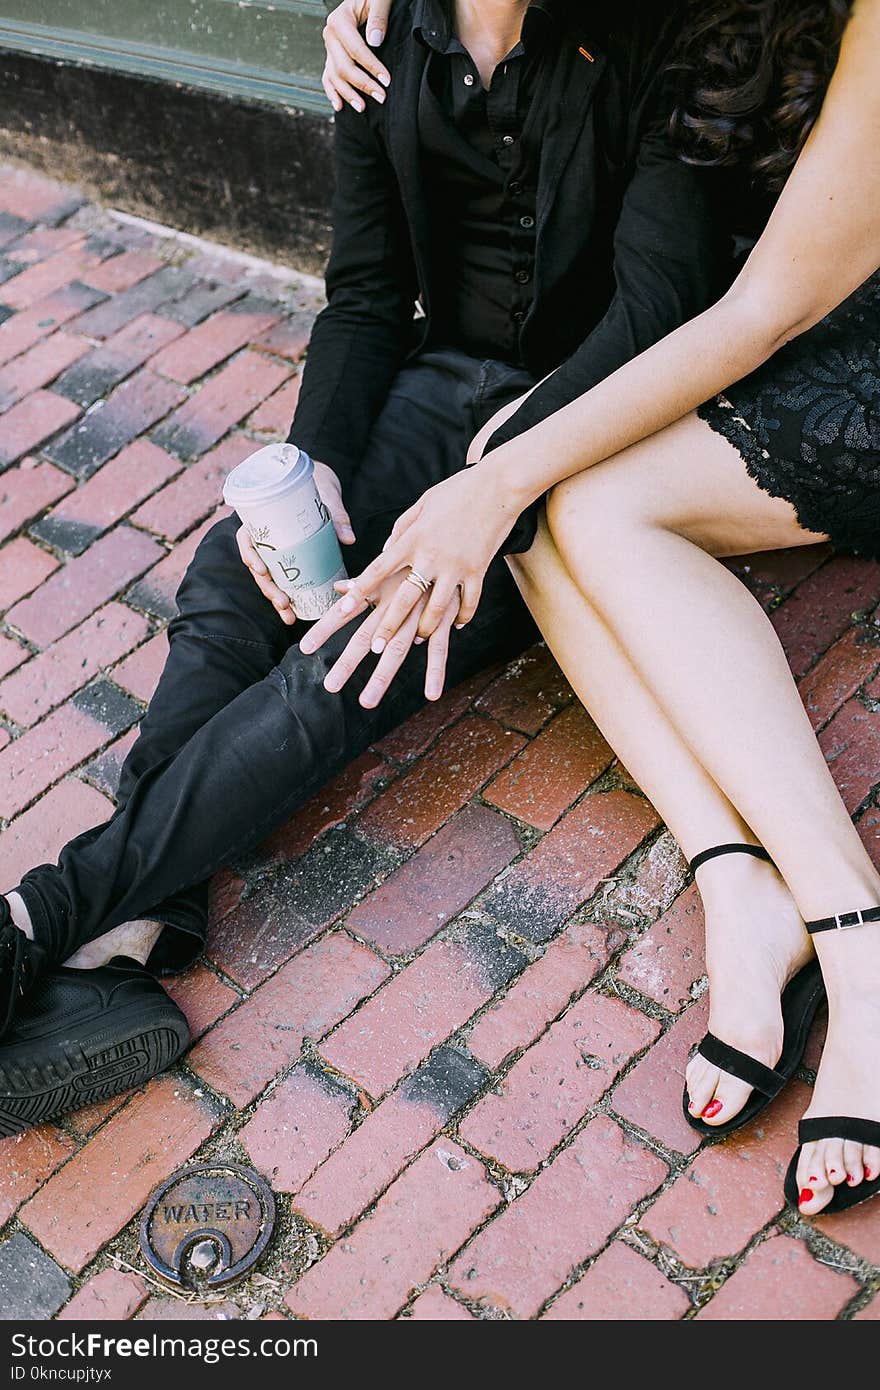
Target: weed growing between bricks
[{"x": 575, "y": 918}]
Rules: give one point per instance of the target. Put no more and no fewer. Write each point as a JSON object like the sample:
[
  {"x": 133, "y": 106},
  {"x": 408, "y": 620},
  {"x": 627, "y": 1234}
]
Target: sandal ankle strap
[
  {"x": 758, "y": 851},
  {"x": 843, "y": 921}
]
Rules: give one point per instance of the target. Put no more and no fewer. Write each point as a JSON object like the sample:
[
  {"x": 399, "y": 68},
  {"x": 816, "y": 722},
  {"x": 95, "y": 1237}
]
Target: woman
[{"x": 754, "y": 427}]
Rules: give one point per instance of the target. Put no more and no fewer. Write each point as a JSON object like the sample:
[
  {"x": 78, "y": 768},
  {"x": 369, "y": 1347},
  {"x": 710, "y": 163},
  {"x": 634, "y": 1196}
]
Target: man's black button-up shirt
[{"x": 480, "y": 152}]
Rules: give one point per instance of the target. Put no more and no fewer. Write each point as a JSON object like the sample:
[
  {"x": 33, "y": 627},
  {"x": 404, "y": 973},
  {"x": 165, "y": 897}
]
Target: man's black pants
[{"x": 240, "y": 732}]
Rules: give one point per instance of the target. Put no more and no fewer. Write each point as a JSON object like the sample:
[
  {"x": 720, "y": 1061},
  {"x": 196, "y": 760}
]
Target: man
[{"x": 518, "y": 184}]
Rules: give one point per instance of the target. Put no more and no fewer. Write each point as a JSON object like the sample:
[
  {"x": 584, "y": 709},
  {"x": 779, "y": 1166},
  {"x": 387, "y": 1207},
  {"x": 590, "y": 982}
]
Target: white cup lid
[{"x": 267, "y": 474}]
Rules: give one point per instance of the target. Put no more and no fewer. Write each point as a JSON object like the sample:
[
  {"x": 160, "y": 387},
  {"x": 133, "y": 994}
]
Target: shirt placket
[{"x": 505, "y": 121}]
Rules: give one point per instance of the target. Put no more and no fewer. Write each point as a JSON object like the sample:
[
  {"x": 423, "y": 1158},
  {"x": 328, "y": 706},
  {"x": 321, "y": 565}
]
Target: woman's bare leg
[
  {"x": 638, "y": 535},
  {"x": 738, "y": 891}
]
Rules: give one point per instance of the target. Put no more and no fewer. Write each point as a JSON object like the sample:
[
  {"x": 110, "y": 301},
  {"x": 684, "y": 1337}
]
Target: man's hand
[
  {"x": 330, "y": 491},
  {"x": 351, "y": 67}
]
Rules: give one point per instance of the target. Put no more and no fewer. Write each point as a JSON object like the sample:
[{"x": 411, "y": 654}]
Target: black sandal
[
  {"x": 837, "y": 1126},
  {"x": 800, "y": 1000}
]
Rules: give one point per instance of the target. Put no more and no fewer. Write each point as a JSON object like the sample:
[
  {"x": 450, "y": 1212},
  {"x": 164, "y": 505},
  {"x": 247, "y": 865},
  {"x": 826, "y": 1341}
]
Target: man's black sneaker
[
  {"x": 83, "y": 1036},
  {"x": 21, "y": 961}
]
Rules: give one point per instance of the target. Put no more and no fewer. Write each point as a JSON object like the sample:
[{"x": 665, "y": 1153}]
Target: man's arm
[{"x": 360, "y": 339}]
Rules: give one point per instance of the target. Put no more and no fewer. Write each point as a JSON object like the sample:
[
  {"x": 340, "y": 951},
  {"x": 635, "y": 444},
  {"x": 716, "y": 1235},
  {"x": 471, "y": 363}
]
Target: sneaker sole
[{"x": 71, "y": 1074}]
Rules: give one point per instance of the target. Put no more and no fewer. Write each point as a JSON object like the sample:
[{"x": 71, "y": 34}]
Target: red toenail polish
[
  {"x": 712, "y": 1109},
  {"x": 813, "y": 1178},
  {"x": 850, "y": 1178},
  {"x": 806, "y": 1196}
]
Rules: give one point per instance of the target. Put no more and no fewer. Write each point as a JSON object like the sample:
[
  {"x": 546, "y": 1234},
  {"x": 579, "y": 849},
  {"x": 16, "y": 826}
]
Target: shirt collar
[{"x": 432, "y": 21}]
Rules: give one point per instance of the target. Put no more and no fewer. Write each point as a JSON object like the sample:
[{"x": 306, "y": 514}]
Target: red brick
[
  {"x": 63, "y": 668},
  {"x": 380, "y": 1148},
  {"x": 420, "y": 801},
  {"x": 41, "y": 242},
  {"x": 851, "y": 744},
  {"x": 421, "y": 1220},
  {"x": 34, "y": 198},
  {"x": 275, "y": 414},
  {"x": 651, "y": 1095},
  {"x": 140, "y": 672},
  {"x": 436, "y": 1306},
  {"x": 531, "y": 689},
  {"x": 858, "y": 1230},
  {"x": 103, "y": 1186},
  {"x": 105, "y": 771},
  {"x": 157, "y": 589},
  {"x": 214, "y": 340},
  {"x": 42, "y": 755},
  {"x": 150, "y": 293},
  {"x": 552, "y": 1086},
  {"x": 620, "y": 1287},
  {"x": 567, "y": 866},
  {"x": 196, "y": 493},
  {"x": 84, "y": 1122},
  {"x": 26, "y": 328},
  {"x": 781, "y": 1282},
  {"x": 22, "y": 567},
  {"x": 178, "y": 1310},
  {"x": 552, "y": 771},
  {"x": 36, "y": 368},
  {"x": 666, "y": 963},
  {"x": 420, "y": 1007},
  {"x": 118, "y": 357},
  {"x": 121, "y": 272},
  {"x": 295, "y": 1128},
  {"x": 659, "y": 877},
  {"x": 84, "y": 585},
  {"x": 869, "y": 829},
  {"x": 26, "y": 1161},
  {"x": 50, "y": 275},
  {"x": 111, "y": 1296},
  {"x": 38, "y": 835},
  {"x": 415, "y": 735},
  {"x": 782, "y": 570},
  {"x": 822, "y": 608},
  {"x": 839, "y": 673},
  {"x": 303, "y": 1000},
  {"x": 331, "y": 806},
  {"x": 5, "y": 737},
  {"x": 218, "y": 405},
  {"x": 289, "y": 339},
  {"x": 732, "y": 1189},
  {"x": 26, "y": 491},
  {"x": 31, "y": 421},
  {"x": 12, "y": 654},
  {"x": 224, "y": 894},
  {"x": 566, "y": 1215},
  {"x": 118, "y": 487},
  {"x": 568, "y": 965},
  {"x": 202, "y": 996},
  {"x": 440, "y": 879},
  {"x": 110, "y": 424}
]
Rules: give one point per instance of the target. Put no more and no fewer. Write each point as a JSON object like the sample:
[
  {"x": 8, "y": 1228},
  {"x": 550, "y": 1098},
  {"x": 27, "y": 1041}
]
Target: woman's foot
[
  {"x": 848, "y": 1082},
  {"x": 755, "y": 944},
  {"x": 134, "y": 940}
]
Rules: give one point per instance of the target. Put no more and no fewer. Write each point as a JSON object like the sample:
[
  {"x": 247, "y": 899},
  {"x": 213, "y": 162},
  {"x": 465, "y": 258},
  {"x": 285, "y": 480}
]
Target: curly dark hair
[{"x": 753, "y": 77}]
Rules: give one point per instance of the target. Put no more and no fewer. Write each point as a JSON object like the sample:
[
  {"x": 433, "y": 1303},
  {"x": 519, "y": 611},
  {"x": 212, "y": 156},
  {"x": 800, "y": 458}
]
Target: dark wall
[{"x": 258, "y": 177}]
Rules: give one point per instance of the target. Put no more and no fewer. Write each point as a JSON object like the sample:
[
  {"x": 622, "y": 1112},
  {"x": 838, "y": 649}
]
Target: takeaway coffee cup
[{"x": 275, "y": 496}]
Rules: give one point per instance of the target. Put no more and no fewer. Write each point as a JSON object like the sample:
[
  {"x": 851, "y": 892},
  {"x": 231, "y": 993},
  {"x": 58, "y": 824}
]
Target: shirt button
[
  {"x": 519, "y": 316},
  {"x": 527, "y": 222},
  {"x": 515, "y": 188},
  {"x": 468, "y": 79},
  {"x": 522, "y": 277},
  {"x": 507, "y": 140}
]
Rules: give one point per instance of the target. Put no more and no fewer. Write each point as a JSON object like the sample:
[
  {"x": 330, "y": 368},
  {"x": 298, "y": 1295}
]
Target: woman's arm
[
  {"x": 821, "y": 243},
  {"x": 351, "y": 67}
]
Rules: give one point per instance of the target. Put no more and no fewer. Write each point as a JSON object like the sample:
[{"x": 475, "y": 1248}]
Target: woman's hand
[
  {"x": 449, "y": 538},
  {"x": 351, "y": 66}
]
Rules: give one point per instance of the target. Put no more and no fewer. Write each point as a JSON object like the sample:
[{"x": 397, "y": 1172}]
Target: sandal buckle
[{"x": 844, "y": 921}]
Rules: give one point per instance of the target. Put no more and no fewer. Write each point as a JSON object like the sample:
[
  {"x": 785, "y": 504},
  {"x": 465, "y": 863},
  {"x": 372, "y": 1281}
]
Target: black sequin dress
[{"x": 807, "y": 423}]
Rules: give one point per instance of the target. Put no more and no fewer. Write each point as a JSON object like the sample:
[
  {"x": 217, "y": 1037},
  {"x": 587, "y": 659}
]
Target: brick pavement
[{"x": 484, "y": 948}]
